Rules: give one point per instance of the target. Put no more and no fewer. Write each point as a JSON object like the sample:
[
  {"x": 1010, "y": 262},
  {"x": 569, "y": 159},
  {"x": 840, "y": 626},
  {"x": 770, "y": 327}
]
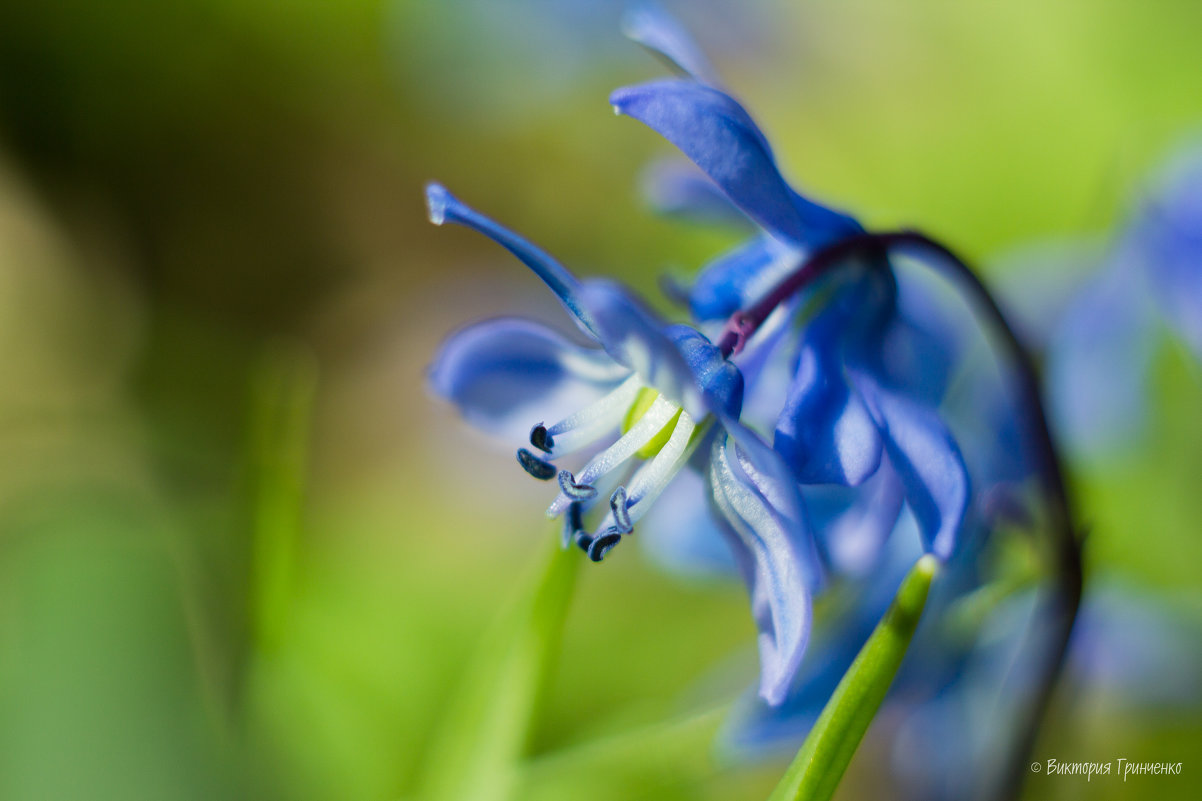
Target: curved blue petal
[
  {"x": 658, "y": 31},
  {"x": 851, "y": 524},
  {"x": 506, "y": 375},
  {"x": 734, "y": 280},
  {"x": 445, "y": 207},
  {"x": 764, "y": 534},
  {"x": 853, "y": 611},
  {"x": 927, "y": 460},
  {"x": 678, "y": 189},
  {"x": 719, "y": 379},
  {"x": 721, "y": 138},
  {"x": 680, "y": 364},
  {"x": 825, "y": 431}
]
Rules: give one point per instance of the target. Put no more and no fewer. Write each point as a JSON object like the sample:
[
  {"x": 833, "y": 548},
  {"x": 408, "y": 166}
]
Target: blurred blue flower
[
  {"x": 862, "y": 384},
  {"x": 1100, "y": 354},
  {"x": 662, "y": 394},
  {"x": 956, "y": 702}
]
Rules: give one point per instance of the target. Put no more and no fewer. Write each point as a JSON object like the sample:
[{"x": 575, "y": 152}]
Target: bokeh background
[{"x": 243, "y": 553}]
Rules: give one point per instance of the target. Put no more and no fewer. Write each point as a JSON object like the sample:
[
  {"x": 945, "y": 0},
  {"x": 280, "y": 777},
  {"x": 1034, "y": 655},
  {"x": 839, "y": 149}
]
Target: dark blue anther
[
  {"x": 572, "y": 523},
  {"x": 604, "y": 544},
  {"x": 584, "y": 541},
  {"x": 540, "y": 469},
  {"x": 540, "y": 439},
  {"x": 617, "y": 505},
  {"x": 577, "y": 492}
]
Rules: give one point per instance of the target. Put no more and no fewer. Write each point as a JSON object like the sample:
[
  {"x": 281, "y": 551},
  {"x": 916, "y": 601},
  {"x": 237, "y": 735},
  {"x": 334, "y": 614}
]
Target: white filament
[
  {"x": 602, "y": 415},
  {"x": 640, "y": 434},
  {"x": 653, "y": 477}
]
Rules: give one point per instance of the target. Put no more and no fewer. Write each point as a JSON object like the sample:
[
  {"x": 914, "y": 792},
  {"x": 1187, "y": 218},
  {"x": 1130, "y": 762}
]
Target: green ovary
[{"x": 642, "y": 402}]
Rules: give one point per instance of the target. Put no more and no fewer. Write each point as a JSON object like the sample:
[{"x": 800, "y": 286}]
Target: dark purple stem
[{"x": 1058, "y": 623}]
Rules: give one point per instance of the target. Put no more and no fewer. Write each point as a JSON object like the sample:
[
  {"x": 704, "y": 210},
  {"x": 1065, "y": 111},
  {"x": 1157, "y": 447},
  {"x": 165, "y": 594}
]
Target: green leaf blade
[
  {"x": 830, "y": 745},
  {"x": 484, "y": 732}
]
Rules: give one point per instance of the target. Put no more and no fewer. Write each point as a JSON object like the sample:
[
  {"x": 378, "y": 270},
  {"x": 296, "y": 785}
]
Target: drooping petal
[
  {"x": 853, "y": 611},
  {"x": 721, "y": 138},
  {"x": 676, "y": 188},
  {"x": 927, "y": 460},
  {"x": 659, "y": 32},
  {"x": 851, "y": 524},
  {"x": 445, "y": 207},
  {"x": 734, "y": 280},
  {"x": 506, "y": 375},
  {"x": 635, "y": 338},
  {"x": 770, "y": 541},
  {"x": 825, "y": 431}
]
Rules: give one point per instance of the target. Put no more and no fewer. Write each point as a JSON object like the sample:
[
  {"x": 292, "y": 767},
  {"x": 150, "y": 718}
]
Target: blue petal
[
  {"x": 734, "y": 280},
  {"x": 852, "y": 524},
  {"x": 444, "y": 207},
  {"x": 1134, "y": 646},
  {"x": 1098, "y": 365},
  {"x": 509, "y": 374},
  {"x": 677, "y": 188},
  {"x": 1170, "y": 233},
  {"x": 927, "y": 461},
  {"x": 825, "y": 431},
  {"x": 853, "y": 611},
  {"x": 658, "y": 31},
  {"x": 721, "y": 138},
  {"x": 719, "y": 379},
  {"x": 682, "y": 365},
  {"x": 758, "y": 498},
  {"x": 682, "y": 534}
]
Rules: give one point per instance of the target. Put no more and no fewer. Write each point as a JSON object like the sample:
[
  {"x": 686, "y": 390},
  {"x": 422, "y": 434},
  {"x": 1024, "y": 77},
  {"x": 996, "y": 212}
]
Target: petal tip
[{"x": 437, "y": 200}]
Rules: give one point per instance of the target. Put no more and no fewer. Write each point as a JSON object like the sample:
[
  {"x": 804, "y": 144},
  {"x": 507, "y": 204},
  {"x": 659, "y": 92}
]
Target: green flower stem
[
  {"x": 824, "y": 756},
  {"x": 484, "y": 731}
]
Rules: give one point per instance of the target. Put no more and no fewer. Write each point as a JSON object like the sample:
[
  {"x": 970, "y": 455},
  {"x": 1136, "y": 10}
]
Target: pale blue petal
[
  {"x": 1169, "y": 232},
  {"x": 851, "y": 524},
  {"x": 658, "y": 31},
  {"x": 721, "y": 138},
  {"x": 507, "y": 375},
  {"x": 681, "y": 533},
  {"x": 445, "y": 207},
  {"x": 853, "y": 611},
  {"x": 927, "y": 460},
  {"x": 677, "y": 188},
  {"x": 676, "y": 361},
  {"x": 1133, "y": 646},
  {"x": 766, "y": 527},
  {"x": 1098, "y": 365}
]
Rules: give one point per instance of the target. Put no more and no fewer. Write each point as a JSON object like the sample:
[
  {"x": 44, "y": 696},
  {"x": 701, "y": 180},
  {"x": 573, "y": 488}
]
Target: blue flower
[
  {"x": 864, "y": 380},
  {"x": 1100, "y": 355},
  {"x": 644, "y": 401}
]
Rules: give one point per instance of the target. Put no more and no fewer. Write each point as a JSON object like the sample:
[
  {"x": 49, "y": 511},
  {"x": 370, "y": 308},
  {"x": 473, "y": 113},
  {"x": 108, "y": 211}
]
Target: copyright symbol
[{"x": 1035, "y": 767}]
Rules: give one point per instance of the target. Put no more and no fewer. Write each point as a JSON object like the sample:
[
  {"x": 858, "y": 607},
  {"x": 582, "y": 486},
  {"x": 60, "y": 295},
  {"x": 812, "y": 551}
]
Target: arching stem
[{"x": 1057, "y": 624}]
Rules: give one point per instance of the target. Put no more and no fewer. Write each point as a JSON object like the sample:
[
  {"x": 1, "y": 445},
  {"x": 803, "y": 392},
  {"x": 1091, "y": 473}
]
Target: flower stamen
[
  {"x": 660, "y": 413},
  {"x": 576, "y": 491},
  {"x": 585, "y": 426},
  {"x": 619, "y": 510},
  {"x": 540, "y": 469}
]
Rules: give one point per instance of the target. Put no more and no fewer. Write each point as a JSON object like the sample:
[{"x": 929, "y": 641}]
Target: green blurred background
[{"x": 236, "y": 555}]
